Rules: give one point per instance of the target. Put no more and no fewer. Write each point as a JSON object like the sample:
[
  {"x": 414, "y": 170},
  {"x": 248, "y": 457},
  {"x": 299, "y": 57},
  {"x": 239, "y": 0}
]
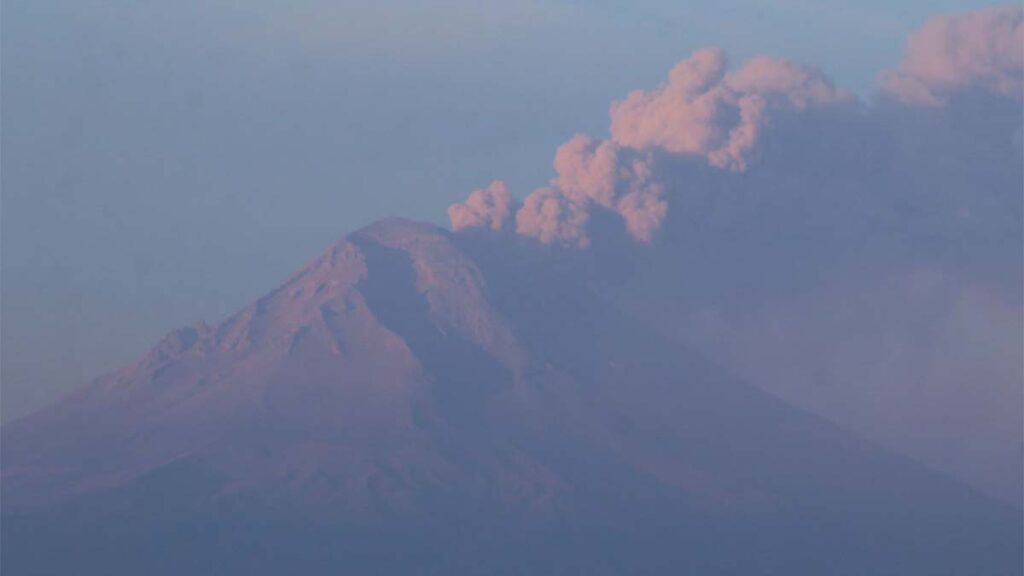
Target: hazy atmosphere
[
  {"x": 164, "y": 163},
  {"x": 508, "y": 288}
]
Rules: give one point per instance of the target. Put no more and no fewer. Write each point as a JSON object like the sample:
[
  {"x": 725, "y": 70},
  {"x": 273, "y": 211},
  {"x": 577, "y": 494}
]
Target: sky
[{"x": 165, "y": 163}]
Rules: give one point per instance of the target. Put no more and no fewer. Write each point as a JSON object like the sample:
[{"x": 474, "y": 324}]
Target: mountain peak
[
  {"x": 394, "y": 228},
  {"x": 391, "y": 382}
]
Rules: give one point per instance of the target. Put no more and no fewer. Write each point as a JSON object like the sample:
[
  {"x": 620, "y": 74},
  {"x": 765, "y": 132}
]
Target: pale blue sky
[{"x": 166, "y": 162}]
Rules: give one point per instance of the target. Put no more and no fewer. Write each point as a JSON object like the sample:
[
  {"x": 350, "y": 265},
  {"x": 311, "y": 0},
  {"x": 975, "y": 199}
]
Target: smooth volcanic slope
[{"x": 417, "y": 401}]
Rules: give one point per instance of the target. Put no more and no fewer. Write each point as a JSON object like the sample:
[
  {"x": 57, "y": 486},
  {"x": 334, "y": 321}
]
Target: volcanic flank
[{"x": 408, "y": 401}]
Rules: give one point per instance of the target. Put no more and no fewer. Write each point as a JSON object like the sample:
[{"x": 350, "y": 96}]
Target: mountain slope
[{"x": 417, "y": 401}]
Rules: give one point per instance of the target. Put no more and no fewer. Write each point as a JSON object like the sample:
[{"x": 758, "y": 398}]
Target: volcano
[{"x": 417, "y": 401}]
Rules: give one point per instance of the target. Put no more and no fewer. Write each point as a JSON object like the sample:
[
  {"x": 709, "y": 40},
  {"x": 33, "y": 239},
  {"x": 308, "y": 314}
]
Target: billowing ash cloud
[
  {"x": 600, "y": 173},
  {"x": 979, "y": 50},
  {"x": 704, "y": 111},
  {"x": 859, "y": 258},
  {"x": 724, "y": 119},
  {"x": 701, "y": 111},
  {"x": 487, "y": 208}
]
